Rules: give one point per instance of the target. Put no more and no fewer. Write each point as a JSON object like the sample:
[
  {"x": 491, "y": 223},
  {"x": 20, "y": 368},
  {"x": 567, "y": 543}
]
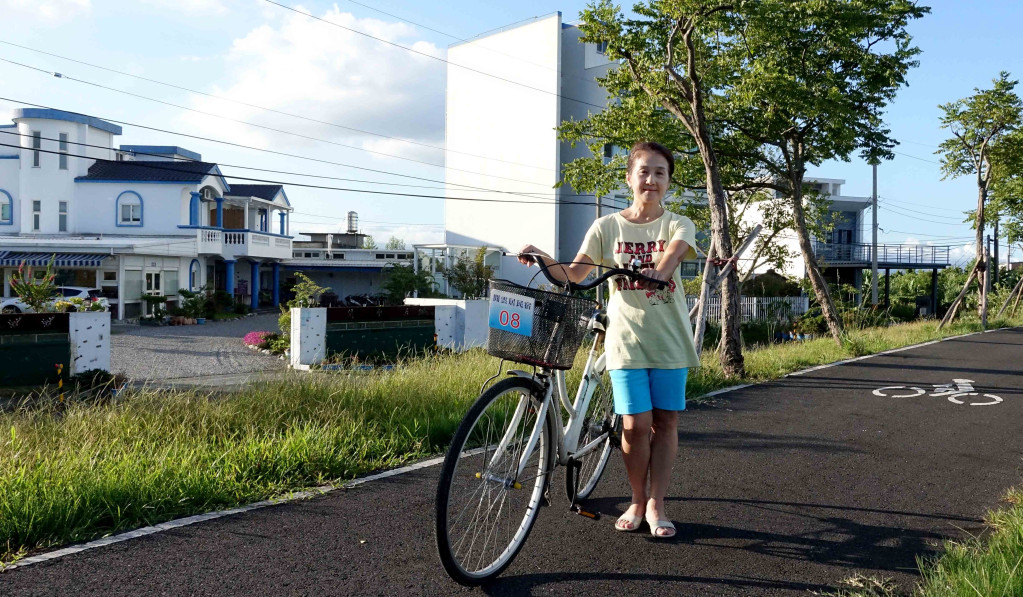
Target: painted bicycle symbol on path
[{"x": 960, "y": 391}]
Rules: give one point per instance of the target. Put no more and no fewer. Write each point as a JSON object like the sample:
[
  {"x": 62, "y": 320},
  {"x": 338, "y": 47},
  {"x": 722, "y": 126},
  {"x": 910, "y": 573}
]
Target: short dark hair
[{"x": 651, "y": 147}]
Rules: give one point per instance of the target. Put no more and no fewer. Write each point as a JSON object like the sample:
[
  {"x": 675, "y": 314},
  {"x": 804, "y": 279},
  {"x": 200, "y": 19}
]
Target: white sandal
[
  {"x": 661, "y": 524},
  {"x": 635, "y": 521}
]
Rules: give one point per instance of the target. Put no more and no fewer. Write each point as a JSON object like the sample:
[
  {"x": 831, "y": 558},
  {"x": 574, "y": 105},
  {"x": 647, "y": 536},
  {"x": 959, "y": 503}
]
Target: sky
[{"x": 347, "y": 106}]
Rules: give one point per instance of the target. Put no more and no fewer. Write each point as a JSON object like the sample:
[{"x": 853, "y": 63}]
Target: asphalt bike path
[{"x": 779, "y": 489}]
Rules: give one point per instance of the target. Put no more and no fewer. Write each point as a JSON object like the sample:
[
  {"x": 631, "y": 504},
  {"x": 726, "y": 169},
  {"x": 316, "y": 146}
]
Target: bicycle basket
[{"x": 558, "y": 327}]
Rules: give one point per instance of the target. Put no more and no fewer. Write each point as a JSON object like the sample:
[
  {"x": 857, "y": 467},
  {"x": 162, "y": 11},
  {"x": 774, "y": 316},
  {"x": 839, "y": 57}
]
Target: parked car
[{"x": 15, "y": 305}]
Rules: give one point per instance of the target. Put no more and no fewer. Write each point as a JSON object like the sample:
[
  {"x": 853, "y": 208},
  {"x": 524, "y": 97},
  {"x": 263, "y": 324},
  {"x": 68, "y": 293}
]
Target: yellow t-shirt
[{"x": 647, "y": 329}]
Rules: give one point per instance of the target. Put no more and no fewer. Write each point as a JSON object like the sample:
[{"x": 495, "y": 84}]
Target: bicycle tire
[
  {"x": 465, "y": 472},
  {"x": 581, "y": 479}
]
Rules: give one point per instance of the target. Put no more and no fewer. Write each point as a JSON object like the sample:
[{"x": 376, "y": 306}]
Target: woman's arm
[
  {"x": 574, "y": 272},
  {"x": 677, "y": 250}
]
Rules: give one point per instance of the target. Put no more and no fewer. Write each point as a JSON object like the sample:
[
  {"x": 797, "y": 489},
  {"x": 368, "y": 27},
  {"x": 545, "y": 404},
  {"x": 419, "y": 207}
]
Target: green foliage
[
  {"x": 156, "y": 306},
  {"x": 193, "y": 303},
  {"x": 284, "y": 324},
  {"x": 400, "y": 281},
  {"x": 470, "y": 275},
  {"x": 771, "y": 284},
  {"x": 394, "y": 244},
  {"x": 369, "y": 243},
  {"x": 36, "y": 293},
  {"x": 978, "y": 124},
  {"x": 306, "y": 292}
]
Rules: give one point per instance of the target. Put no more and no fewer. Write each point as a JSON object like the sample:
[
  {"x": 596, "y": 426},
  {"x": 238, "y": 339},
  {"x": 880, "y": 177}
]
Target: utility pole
[
  {"x": 873, "y": 252},
  {"x": 995, "y": 271},
  {"x": 600, "y": 289}
]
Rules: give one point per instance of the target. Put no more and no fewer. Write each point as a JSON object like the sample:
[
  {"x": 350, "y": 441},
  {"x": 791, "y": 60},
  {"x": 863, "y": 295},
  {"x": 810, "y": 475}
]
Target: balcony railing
[
  {"x": 232, "y": 244},
  {"x": 887, "y": 255}
]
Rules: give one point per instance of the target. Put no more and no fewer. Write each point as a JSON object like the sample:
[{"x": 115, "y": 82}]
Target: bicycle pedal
[{"x": 591, "y": 515}]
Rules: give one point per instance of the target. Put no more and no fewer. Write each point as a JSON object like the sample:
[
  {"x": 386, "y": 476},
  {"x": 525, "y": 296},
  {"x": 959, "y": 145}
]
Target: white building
[
  {"x": 514, "y": 125},
  {"x": 133, "y": 220}
]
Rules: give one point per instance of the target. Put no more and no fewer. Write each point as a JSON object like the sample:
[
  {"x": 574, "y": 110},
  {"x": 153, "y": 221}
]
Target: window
[
  {"x": 262, "y": 220},
  {"x": 129, "y": 209},
  {"x": 37, "y": 144},
  {"x": 63, "y": 151},
  {"x": 380, "y": 255},
  {"x": 37, "y": 206},
  {"x": 62, "y": 216},
  {"x": 602, "y": 47},
  {"x": 609, "y": 150},
  {"x": 6, "y": 208},
  {"x": 109, "y": 276}
]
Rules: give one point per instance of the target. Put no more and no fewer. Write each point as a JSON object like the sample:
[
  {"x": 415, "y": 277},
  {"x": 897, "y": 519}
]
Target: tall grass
[{"x": 75, "y": 471}]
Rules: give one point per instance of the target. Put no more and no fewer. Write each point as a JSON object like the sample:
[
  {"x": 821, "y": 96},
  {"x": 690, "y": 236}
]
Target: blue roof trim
[
  {"x": 135, "y": 181},
  {"x": 336, "y": 268},
  {"x": 220, "y": 175},
  {"x": 48, "y": 114},
  {"x": 10, "y": 157},
  {"x": 8, "y": 126},
  {"x": 163, "y": 150}
]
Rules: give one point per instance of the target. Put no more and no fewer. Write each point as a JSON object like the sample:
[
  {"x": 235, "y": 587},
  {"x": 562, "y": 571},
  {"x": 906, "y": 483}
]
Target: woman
[{"x": 649, "y": 343}]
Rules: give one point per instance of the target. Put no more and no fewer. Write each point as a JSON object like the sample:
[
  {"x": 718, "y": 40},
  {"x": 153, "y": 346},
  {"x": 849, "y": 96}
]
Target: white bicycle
[
  {"x": 496, "y": 472},
  {"x": 956, "y": 391}
]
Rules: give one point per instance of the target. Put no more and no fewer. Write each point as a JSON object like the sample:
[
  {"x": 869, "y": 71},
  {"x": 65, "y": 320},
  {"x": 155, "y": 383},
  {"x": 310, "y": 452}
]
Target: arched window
[
  {"x": 129, "y": 209},
  {"x": 6, "y": 208},
  {"x": 194, "y": 283}
]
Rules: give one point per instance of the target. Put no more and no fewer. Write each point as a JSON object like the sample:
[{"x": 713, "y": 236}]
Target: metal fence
[
  {"x": 834, "y": 254},
  {"x": 759, "y": 308}
]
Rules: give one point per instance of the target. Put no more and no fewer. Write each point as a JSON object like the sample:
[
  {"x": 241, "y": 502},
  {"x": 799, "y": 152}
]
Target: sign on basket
[{"x": 511, "y": 312}]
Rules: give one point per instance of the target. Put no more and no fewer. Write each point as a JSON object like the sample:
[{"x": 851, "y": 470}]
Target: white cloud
[
  {"x": 307, "y": 67},
  {"x": 193, "y": 7},
  {"x": 46, "y": 11},
  {"x": 962, "y": 254}
]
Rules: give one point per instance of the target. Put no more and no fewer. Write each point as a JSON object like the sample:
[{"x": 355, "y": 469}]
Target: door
[{"x": 154, "y": 287}]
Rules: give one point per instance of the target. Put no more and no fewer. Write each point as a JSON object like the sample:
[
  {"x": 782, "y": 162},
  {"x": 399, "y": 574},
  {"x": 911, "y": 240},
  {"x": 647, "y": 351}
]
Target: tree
[
  {"x": 400, "y": 281},
  {"x": 369, "y": 243},
  {"x": 394, "y": 244},
  {"x": 811, "y": 81},
  {"x": 470, "y": 276},
  {"x": 669, "y": 64},
  {"x": 982, "y": 127}
]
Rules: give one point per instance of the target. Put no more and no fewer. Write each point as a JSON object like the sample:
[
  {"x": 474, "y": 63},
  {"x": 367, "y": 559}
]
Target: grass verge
[{"x": 77, "y": 471}]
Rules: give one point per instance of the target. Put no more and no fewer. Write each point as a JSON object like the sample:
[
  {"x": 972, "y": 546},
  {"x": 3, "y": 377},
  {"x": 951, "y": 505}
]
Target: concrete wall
[
  {"x": 308, "y": 337},
  {"x": 513, "y": 125},
  {"x": 90, "y": 341},
  {"x": 460, "y": 324}
]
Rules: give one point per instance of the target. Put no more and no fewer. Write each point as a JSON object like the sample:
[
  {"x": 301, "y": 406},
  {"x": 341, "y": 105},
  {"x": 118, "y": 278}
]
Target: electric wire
[
  {"x": 273, "y": 110},
  {"x": 533, "y": 194},
  {"x": 260, "y": 126},
  {"x": 162, "y": 166},
  {"x": 414, "y": 51}
]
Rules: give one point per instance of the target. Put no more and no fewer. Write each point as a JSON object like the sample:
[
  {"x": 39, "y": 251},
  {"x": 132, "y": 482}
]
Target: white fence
[{"x": 759, "y": 308}]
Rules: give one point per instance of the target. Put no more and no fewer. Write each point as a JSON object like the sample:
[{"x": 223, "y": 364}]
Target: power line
[
  {"x": 414, "y": 51},
  {"x": 239, "y": 102},
  {"x": 260, "y": 126},
  {"x": 904, "y": 202},
  {"x": 533, "y": 194},
  {"x": 910, "y": 211},
  {"x": 163, "y": 167},
  {"x": 468, "y": 40}
]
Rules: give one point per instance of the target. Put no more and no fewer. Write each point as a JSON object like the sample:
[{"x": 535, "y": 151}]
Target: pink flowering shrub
[{"x": 256, "y": 338}]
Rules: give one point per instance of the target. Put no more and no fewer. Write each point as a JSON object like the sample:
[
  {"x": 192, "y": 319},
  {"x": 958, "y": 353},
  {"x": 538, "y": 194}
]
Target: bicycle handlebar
[{"x": 573, "y": 286}]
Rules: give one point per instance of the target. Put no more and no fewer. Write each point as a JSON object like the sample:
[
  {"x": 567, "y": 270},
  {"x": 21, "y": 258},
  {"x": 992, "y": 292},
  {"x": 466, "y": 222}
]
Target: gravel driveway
[{"x": 174, "y": 352}]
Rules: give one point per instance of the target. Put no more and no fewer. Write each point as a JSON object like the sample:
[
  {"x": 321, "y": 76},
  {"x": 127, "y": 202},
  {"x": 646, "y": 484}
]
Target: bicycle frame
[{"x": 567, "y": 434}]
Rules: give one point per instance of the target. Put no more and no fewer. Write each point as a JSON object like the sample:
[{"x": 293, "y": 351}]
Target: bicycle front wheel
[
  {"x": 582, "y": 478},
  {"x": 493, "y": 481}
]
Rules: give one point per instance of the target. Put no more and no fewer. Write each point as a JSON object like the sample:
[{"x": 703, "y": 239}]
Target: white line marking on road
[{"x": 316, "y": 491}]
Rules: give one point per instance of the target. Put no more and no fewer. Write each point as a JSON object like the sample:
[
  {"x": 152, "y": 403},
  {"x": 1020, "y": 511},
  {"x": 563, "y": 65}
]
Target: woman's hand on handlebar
[
  {"x": 649, "y": 272},
  {"x": 527, "y": 254}
]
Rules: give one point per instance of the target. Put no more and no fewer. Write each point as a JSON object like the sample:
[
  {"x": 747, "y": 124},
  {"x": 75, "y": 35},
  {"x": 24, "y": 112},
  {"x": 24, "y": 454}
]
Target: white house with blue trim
[{"x": 135, "y": 219}]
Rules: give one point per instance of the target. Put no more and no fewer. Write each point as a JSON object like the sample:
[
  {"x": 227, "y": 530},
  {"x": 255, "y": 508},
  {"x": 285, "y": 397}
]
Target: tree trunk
[
  {"x": 812, "y": 269},
  {"x": 730, "y": 348},
  {"x": 981, "y": 260},
  {"x": 701, "y": 314}
]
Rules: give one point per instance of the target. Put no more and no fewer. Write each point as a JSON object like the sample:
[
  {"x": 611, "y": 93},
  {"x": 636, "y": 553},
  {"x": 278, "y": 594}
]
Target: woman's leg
[
  {"x": 636, "y": 453},
  {"x": 663, "y": 449}
]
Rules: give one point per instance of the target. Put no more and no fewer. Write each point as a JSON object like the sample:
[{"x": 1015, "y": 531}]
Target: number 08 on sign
[{"x": 511, "y": 312}]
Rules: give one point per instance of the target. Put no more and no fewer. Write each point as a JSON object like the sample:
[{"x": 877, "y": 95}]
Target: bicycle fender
[{"x": 527, "y": 375}]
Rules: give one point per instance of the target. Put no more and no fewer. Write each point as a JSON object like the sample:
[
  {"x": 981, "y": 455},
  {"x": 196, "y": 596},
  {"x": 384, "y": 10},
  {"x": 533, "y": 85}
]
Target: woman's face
[{"x": 648, "y": 177}]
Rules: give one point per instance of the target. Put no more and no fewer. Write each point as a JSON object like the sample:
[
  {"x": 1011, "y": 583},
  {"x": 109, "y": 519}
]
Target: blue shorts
[{"x": 641, "y": 390}]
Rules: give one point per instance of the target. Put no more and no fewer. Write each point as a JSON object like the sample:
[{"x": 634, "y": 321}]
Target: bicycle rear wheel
[
  {"x": 582, "y": 478},
  {"x": 485, "y": 508}
]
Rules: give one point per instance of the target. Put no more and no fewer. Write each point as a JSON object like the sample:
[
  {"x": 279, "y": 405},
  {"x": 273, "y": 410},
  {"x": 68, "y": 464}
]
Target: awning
[{"x": 59, "y": 259}]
